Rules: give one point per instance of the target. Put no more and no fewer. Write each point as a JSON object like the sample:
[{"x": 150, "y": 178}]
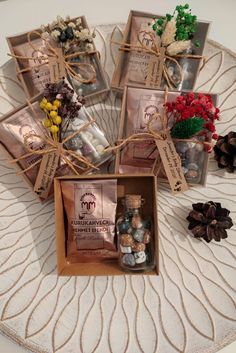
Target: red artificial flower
[
  {"x": 195, "y": 105},
  {"x": 208, "y": 148},
  {"x": 179, "y": 107},
  {"x": 185, "y": 114},
  {"x": 198, "y": 109},
  {"x": 210, "y": 126},
  {"x": 215, "y": 136},
  {"x": 200, "y": 95},
  {"x": 179, "y": 99},
  {"x": 209, "y": 105}
]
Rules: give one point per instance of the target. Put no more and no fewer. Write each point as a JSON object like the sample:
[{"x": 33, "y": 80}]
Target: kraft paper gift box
[
  {"x": 21, "y": 123},
  {"x": 33, "y": 82},
  {"x": 146, "y": 185},
  {"x": 138, "y": 105},
  {"x": 132, "y": 67}
]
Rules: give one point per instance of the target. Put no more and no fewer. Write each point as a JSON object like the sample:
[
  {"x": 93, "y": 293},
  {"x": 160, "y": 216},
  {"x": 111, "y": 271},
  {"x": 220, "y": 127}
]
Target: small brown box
[
  {"x": 40, "y": 75},
  {"x": 123, "y": 127},
  {"x": 146, "y": 185},
  {"x": 189, "y": 65},
  {"x": 19, "y": 123}
]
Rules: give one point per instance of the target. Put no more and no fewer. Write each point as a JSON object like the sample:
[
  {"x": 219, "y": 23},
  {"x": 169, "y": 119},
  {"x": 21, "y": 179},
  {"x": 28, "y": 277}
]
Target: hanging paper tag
[
  {"x": 172, "y": 165},
  {"x": 155, "y": 69},
  {"x": 46, "y": 174},
  {"x": 56, "y": 66}
]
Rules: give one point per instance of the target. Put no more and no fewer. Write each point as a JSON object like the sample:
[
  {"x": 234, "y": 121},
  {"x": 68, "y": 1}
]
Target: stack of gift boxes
[{"x": 107, "y": 223}]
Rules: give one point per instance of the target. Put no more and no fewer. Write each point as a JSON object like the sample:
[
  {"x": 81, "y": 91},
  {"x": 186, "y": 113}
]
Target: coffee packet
[
  {"x": 136, "y": 69},
  {"x": 39, "y": 74},
  {"x": 141, "y": 105},
  {"x": 90, "y": 209}
]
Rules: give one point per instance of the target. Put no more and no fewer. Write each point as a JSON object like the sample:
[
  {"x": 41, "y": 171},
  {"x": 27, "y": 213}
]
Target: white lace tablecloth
[{"x": 189, "y": 308}]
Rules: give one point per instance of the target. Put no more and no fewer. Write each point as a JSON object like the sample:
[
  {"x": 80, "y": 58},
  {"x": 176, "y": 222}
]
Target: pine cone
[
  {"x": 209, "y": 221},
  {"x": 225, "y": 151}
]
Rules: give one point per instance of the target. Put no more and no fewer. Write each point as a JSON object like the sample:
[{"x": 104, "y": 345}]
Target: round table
[{"x": 189, "y": 308}]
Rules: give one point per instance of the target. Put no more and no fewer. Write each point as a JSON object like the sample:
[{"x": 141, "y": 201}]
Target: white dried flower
[
  {"x": 168, "y": 35},
  {"x": 66, "y": 46},
  {"x": 59, "y": 19},
  {"x": 77, "y": 34},
  {"x": 67, "y": 18},
  {"x": 53, "y": 24},
  {"x": 45, "y": 35},
  {"x": 55, "y": 34},
  {"x": 178, "y": 47},
  {"x": 84, "y": 34},
  {"x": 78, "y": 21},
  {"x": 89, "y": 46},
  {"x": 72, "y": 25}
]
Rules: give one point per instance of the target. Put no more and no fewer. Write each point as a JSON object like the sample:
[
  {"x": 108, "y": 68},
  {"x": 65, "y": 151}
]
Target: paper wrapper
[{"x": 90, "y": 208}]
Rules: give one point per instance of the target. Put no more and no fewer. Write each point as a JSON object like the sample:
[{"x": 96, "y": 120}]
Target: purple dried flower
[{"x": 69, "y": 105}]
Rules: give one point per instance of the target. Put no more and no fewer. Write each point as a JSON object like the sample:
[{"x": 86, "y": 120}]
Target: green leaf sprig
[
  {"x": 186, "y": 24},
  {"x": 187, "y": 128}
]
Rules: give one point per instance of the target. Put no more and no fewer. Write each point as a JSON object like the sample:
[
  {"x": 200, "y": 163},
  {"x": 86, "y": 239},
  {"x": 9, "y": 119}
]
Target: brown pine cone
[
  {"x": 209, "y": 221},
  {"x": 225, "y": 151}
]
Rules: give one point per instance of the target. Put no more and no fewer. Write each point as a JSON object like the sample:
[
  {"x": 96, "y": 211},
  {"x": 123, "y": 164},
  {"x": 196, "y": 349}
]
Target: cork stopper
[{"x": 133, "y": 201}]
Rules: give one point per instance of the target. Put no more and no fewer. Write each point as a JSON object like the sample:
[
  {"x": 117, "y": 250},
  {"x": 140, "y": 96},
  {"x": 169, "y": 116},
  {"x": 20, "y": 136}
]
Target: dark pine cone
[
  {"x": 209, "y": 221},
  {"x": 225, "y": 151}
]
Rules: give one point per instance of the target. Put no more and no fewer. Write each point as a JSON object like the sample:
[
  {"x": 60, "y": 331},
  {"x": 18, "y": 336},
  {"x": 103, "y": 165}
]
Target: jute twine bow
[
  {"x": 87, "y": 71},
  {"x": 154, "y": 49},
  {"x": 52, "y": 146}
]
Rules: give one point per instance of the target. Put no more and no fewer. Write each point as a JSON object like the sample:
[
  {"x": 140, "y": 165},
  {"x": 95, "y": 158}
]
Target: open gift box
[
  {"x": 25, "y": 139},
  {"x": 146, "y": 185},
  {"x": 138, "y": 107},
  {"x": 132, "y": 66},
  {"x": 35, "y": 73}
]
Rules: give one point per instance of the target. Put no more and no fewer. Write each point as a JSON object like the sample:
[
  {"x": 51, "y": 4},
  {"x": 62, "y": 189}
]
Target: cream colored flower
[
  {"x": 77, "y": 34},
  {"x": 66, "y": 46},
  {"x": 59, "y": 19},
  {"x": 55, "y": 34},
  {"x": 84, "y": 34},
  {"x": 45, "y": 35},
  {"x": 168, "y": 35},
  {"x": 89, "y": 46},
  {"x": 78, "y": 21},
  {"x": 71, "y": 24},
  {"x": 178, "y": 47}
]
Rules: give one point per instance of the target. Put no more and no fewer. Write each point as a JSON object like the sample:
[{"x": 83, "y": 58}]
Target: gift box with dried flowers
[
  {"x": 158, "y": 51},
  {"x": 189, "y": 120},
  {"x": 64, "y": 48},
  {"x": 53, "y": 135}
]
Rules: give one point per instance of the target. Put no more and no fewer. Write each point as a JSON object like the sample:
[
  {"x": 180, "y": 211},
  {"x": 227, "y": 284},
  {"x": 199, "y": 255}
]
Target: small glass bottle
[{"x": 135, "y": 242}]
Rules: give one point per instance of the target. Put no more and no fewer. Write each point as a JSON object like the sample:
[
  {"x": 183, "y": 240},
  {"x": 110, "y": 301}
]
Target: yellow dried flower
[
  {"x": 48, "y": 106},
  {"x": 54, "y": 129},
  {"x": 56, "y": 103},
  {"x": 47, "y": 123},
  {"x": 57, "y": 120},
  {"x": 53, "y": 114}
]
